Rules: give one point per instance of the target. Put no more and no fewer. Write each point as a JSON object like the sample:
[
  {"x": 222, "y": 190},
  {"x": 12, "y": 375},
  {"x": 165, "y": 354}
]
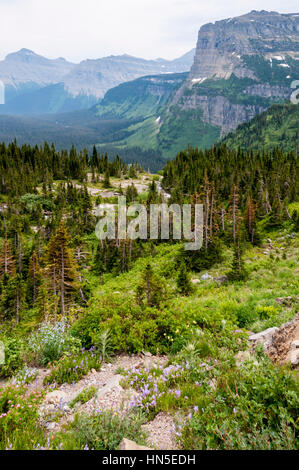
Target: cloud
[{"x": 79, "y": 29}]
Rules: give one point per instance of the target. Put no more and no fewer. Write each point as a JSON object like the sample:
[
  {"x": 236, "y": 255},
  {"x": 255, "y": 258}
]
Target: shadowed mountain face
[{"x": 34, "y": 84}]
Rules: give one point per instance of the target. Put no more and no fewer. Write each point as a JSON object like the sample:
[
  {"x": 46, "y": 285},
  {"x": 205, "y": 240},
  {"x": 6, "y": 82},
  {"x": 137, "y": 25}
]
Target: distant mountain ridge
[
  {"x": 76, "y": 86},
  {"x": 242, "y": 66}
]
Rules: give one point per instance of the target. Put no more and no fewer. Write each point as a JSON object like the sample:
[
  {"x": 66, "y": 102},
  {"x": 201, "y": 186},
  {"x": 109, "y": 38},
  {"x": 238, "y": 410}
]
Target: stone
[
  {"x": 264, "y": 337},
  {"x": 56, "y": 397},
  {"x": 126, "y": 444},
  {"x": 221, "y": 279},
  {"x": 146, "y": 353},
  {"x": 195, "y": 281},
  {"x": 244, "y": 356},
  {"x": 205, "y": 277},
  {"x": 50, "y": 426},
  {"x": 294, "y": 357},
  {"x": 111, "y": 384},
  {"x": 295, "y": 344}
]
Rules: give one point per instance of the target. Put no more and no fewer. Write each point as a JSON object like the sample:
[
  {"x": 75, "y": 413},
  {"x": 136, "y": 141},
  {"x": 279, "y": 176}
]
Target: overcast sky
[{"x": 80, "y": 29}]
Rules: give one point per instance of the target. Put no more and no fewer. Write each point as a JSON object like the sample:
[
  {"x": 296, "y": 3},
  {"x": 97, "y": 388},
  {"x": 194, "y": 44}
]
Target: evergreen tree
[
  {"x": 184, "y": 284},
  {"x": 151, "y": 288},
  {"x": 7, "y": 262},
  {"x": 61, "y": 269}
]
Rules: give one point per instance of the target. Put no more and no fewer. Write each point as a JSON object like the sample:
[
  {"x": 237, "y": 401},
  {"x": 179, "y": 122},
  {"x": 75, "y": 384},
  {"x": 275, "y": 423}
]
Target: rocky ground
[{"x": 55, "y": 410}]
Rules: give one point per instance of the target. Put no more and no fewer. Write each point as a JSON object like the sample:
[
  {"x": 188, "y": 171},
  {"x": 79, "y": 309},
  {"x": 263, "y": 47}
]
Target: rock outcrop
[
  {"x": 257, "y": 53},
  {"x": 221, "y": 45}
]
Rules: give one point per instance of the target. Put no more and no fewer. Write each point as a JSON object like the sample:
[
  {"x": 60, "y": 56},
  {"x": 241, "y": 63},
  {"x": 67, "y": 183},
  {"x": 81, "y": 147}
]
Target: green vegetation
[
  {"x": 70, "y": 302},
  {"x": 84, "y": 396},
  {"x": 101, "y": 431},
  {"x": 277, "y": 127}
]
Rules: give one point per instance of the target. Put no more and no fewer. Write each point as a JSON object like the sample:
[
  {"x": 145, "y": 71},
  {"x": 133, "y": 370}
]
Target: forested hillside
[
  {"x": 172, "y": 333},
  {"x": 277, "y": 127}
]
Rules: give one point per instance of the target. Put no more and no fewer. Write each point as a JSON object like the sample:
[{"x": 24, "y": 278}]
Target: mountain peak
[
  {"x": 21, "y": 54},
  {"x": 222, "y": 44}
]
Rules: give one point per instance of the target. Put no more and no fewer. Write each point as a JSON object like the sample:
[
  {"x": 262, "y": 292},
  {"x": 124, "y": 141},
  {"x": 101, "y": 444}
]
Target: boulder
[
  {"x": 294, "y": 357},
  {"x": 146, "y": 353},
  {"x": 205, "y": 277},
  {"x": 264, "y": 338},
  {"x": 126, "y": 444}
]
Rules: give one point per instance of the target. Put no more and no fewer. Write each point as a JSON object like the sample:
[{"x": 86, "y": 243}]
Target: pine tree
[
  {"x": 106, "y": 182},
  {"x": 14, "y": 298},
  {"x": 34, "y": 277},
  {"x": 7, "y": 262},
  {"x": 237, "y": 271},
  {"x": 61, "y": 269},
  {"x": 183, "y": 280},
  {"x": 151, "y": 288}
]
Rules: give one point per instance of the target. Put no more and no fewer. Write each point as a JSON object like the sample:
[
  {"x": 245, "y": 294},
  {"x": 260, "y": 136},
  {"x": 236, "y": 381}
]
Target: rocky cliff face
[
  {"x": 242, "y": 65},
  {"x": 219, "y": 111},
  {"x": 221, "y": 45}
]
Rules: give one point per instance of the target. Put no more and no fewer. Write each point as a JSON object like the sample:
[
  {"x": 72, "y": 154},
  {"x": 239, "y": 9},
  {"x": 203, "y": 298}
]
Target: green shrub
[
  {"x": 72, "y": 368},
  {"x": 14, "y": 360},
  {"x": 84, "y": 396},
  {"x": 19, "y": 419},
  {"x": 253, "y": 407},
  {"x": 49, "y": 342},
  {"x": 101, "y": 431}
]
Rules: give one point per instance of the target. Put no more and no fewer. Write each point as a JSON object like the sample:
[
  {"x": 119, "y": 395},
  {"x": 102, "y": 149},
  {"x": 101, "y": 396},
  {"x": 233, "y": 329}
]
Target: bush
[
  {"x": 102, "y": 431},
  {"x": 253, "y": 407},
  {"x": 13, "y": 348},
  {"x": 50, "y": 342},
  {"x": 72, "y": 368},
  {"x": 84, "y": 396},
  {"x": 19, "y": 428}
]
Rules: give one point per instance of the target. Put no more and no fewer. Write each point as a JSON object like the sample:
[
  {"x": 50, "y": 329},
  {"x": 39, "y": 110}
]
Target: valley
[{"x": 127, "y": 338}]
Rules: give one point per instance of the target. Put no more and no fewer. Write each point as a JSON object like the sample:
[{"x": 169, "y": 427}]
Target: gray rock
[
  {"x": 50, "y": 426},
  {"x": 294, "y": 357},
  {"x": 111, "y": 384},
  {"x": 221, "y": 279},
  {"x": 244, "y": 356},
  {"x": 205, "y": 277},
  {"x": 264, "y": 337},
  {"x": 56, "y": 397},
  {"x": 146, "y": 353},
  {"x": 126, "y": 444}
]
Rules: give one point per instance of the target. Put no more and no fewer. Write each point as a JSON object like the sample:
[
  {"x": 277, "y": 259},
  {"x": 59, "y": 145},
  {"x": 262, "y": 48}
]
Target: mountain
[
  {"x": 242, "y": 66},
  {"x": 96, "y": 77},
  {"x": 34, "y": 84},
  {"x": 276, "y": 127}
]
